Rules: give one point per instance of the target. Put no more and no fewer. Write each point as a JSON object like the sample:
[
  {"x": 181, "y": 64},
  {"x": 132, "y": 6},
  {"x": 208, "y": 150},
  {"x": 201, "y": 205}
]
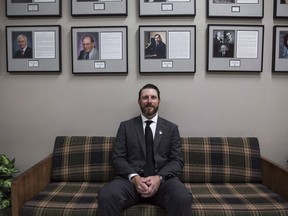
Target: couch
[{"x": 226, "y": 175}]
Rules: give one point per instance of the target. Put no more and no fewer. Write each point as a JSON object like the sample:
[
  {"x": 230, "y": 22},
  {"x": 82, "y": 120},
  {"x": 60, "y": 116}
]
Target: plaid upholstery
[
  {"x": 236, "y": 199},
  {"x": 221, "y": 159},
  {"x": 223, "y": 175},
  {"x": 82, "y": 158}
]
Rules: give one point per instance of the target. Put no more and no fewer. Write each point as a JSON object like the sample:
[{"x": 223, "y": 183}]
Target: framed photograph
[
  {"x": 47, "y": 8},
  {"x": 33, "y": 48},
  {"x": 280, "y": 8},
  {"x": 98, "y": 7},
  {"x": 235, "y": 48},
  {"x": 167, "y": 8},
  {"x": 280, "y": 49},
  {"x": 235, "y": 8},
  {"x": 99, "y": 50},
  {"x": 167, "y": 49}
]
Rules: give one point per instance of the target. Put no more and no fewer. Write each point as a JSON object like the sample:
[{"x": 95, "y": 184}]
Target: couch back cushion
[
  {"x": 221, "y": 159},
  {"x": 82, "y": 158}
]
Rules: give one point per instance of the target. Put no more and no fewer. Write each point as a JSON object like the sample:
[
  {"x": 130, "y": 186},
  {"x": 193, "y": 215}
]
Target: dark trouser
[{"x": 120, "y": 194}]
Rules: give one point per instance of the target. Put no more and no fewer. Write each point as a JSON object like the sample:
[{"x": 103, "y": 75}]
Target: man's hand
[{"x": 147, "y": 186}]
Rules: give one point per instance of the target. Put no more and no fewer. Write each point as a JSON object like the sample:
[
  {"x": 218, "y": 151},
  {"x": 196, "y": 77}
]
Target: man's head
[
  {"x": 87, "y": 43},
  {"x": 22, "y": 41},
  {"x": 149, "y": 100},
  {"x": 157, "y": 38}
]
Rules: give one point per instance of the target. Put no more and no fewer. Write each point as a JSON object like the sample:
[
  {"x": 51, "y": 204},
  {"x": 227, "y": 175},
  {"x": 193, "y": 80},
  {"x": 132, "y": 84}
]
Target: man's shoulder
[{"x": 165, "y": 121}]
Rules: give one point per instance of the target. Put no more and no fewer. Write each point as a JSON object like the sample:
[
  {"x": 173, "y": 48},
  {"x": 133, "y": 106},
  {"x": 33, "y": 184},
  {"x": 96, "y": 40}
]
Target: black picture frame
[
  {"x": 99, "y": 7},
  {"x": 107, "y": 46},
  {"x": 167, "y": 8},
  {"x": 235, "y": 48},
  {"x": 175, "y": 52},
  {"x": 280, "y": 9},
  {"x": 280, "y": 49},
  {"x": 33, "y": 8},
  {"x": 235, "y": 9},
  {"x": 42, "y": 53}
]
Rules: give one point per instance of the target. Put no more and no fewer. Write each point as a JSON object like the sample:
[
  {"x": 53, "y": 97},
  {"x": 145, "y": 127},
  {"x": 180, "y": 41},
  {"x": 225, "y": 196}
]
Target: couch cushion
[
  {"x": 236, "y": 199},
  {"x": 221, "y": 159},
  {"x": 77, "y": 199},
  {"x": 82, "y": 158}
]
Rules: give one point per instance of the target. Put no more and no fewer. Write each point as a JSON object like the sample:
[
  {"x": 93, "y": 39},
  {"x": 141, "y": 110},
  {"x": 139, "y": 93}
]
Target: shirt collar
[{"x": 154, "y": 119}]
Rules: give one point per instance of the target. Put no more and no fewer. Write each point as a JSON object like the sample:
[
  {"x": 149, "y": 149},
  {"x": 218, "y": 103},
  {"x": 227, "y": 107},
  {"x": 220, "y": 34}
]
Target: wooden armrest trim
[
  {"x": 275, "y": 177},
  {"x": 30, "y": 182}
]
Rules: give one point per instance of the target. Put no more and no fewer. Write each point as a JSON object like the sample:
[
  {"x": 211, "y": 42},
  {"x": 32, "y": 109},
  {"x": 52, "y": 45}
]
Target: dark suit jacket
[
  {"x": 129, "y": 150},
  {"x": 27, "y": 53}
]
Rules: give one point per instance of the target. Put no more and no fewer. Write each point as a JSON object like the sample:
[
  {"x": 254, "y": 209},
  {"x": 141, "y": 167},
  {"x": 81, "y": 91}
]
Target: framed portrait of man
[
  {"x": 235, "y": 8},
  {"x": 280, "y": 9},
  {"x": 167, "y": 49},
  {"x": 235, "y": 48},
  {"x": 167, "y": 8},
  {"x": 99, "y": 50},
  {"x": 33, "y": 48},
  {"x": 280, "y": 49},
  {"x": 99, "y": 7},
  {"x": 32, "y": 8}
]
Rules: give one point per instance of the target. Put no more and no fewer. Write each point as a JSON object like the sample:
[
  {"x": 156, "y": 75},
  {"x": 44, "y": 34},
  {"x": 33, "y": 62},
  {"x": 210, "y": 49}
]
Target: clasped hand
[{"x": 146, "y": 186}]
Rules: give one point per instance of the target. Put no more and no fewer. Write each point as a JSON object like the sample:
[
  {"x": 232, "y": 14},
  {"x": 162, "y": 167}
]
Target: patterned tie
[
  {"x": 149, "y": 168},
  {"x": 22, "y": 53}
]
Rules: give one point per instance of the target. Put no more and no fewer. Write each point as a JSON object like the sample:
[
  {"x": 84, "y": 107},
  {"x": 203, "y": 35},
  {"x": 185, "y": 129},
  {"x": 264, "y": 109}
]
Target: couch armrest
[
  {"x": 29, "y": 183},
  {"x": 275, "y": 177}
]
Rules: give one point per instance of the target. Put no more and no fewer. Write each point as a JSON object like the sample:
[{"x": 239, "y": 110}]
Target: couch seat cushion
[
  {"x": 237, "y": 199},
  {"x": 76, "y": 199},
  {"x": 64, "y": 198}
]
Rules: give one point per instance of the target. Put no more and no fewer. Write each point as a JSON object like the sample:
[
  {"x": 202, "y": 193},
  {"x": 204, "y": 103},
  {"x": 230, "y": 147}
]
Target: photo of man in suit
[
  {"x": 24, "y": 51},
  {"x": 21, "y": 1},
  {"x": 147, "y": 158},
  {"x": 89, "y": 51},
  {"x": 156, "y": 48}
]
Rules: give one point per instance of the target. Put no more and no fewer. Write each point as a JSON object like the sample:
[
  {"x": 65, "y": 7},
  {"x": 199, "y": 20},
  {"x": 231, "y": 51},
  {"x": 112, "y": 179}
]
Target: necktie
[
  {"x": 22, "y": 53},
  {"x": 149, "y": 168},
  {"x": 87, "y": 55}
]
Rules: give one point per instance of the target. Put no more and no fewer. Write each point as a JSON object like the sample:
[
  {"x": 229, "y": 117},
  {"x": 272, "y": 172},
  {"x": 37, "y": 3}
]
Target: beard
[{"x": 149, "y": 110}]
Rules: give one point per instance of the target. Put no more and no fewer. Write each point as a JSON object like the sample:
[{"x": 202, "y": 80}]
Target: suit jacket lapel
[
  {"x": 158, "y": 133},
  {"x": 140, "y": 133}
]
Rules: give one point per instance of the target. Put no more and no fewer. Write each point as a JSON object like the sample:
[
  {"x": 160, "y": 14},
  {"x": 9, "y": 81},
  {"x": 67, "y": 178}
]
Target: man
[
  {"x": 24, "y": 50},
  {"x": 133, "y": 183},
  {"x": 89, "y": 51},
  {"x": 157, "y": 49}
]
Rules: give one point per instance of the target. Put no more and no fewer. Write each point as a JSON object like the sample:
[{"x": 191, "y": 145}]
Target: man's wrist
[{"x": 131, "y": 176}]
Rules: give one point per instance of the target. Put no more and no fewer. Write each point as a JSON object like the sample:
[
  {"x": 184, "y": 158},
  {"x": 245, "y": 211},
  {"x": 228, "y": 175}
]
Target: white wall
[{"x": 35, "y": 108}]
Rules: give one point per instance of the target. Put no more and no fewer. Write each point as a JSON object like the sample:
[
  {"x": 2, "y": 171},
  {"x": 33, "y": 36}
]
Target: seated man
[{"x": 147, "y": 157}]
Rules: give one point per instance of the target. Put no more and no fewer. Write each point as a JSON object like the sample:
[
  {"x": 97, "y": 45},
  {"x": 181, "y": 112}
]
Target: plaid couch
[{"x": 222, "y": 173}]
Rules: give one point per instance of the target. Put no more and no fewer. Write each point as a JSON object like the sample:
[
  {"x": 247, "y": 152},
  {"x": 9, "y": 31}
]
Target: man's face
[
  {"x": 149, "y": 102},
  {"x": 22, "y": 42},
  {"x": 87, "y": 44},
  {"x": 157, "y": 39}
]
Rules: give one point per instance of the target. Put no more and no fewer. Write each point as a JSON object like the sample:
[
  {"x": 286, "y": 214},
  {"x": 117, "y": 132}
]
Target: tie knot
[{"x": 148, "y": 122}]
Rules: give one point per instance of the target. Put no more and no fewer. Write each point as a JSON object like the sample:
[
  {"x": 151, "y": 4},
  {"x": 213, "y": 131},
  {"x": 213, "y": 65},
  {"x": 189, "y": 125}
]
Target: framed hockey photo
[
  {"x": 33, "y": 48},
  {"x": 31, "y": 8},
  {"x": 280, "y": 49},
  {"x": 99, "y": 50},
  {"x": 167, "y": 8},
  {"x": 281, "y": 9},
  {"x": 167, "y": 49},
  {"x": 98, "y": 7},
  {"x": 235, "y": 8},
  {"x": 235, "y": 48}
]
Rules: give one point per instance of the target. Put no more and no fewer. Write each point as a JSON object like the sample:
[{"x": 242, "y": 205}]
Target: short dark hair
[{"x": 149, "y": 86}]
